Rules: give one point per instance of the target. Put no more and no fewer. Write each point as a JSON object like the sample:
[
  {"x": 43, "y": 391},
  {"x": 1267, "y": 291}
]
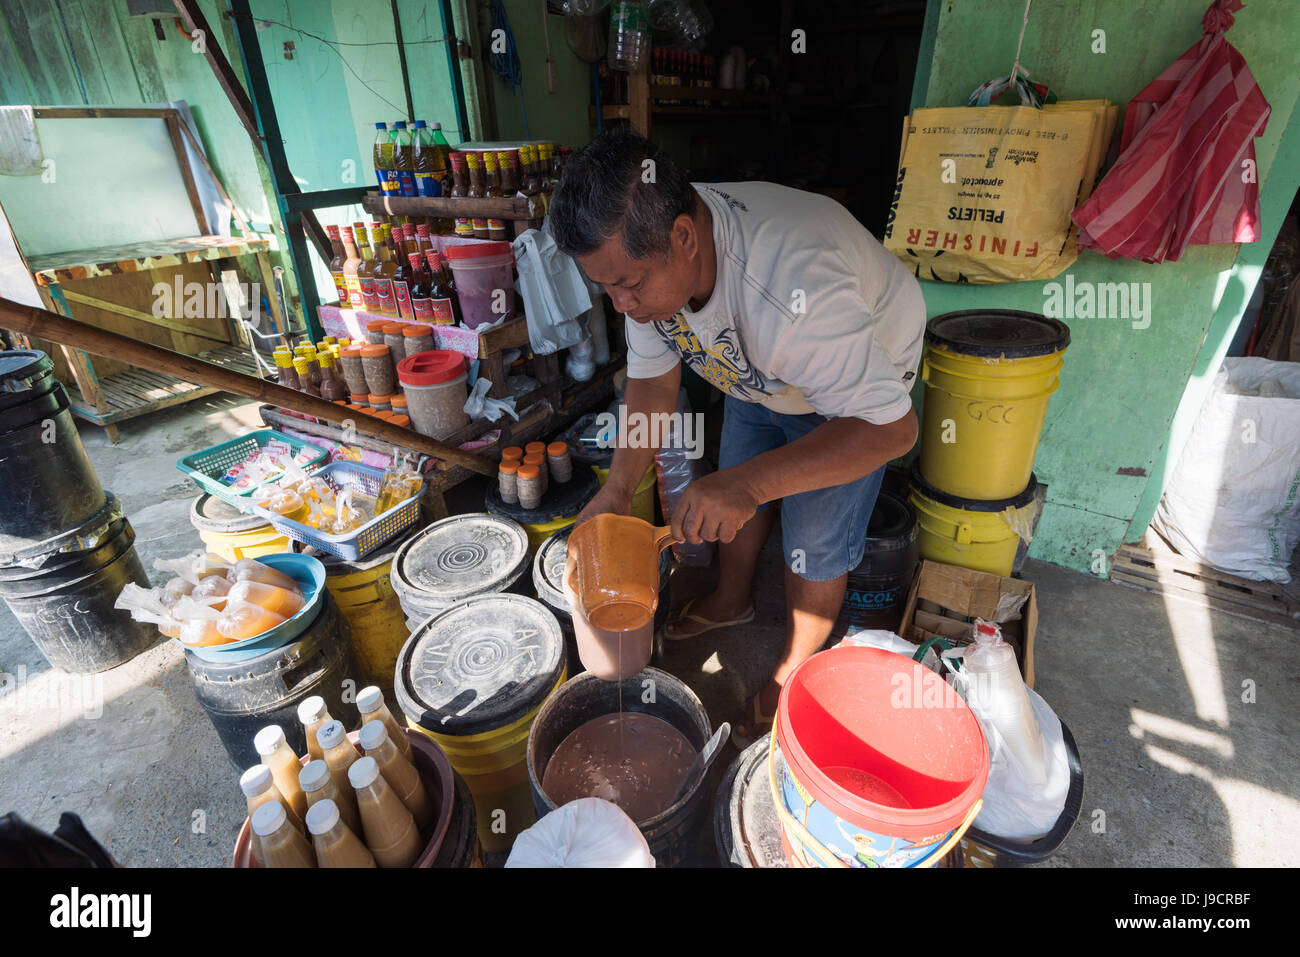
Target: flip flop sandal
[
  {"x": 760, "y": 723},
  {"x": 685, "y": 615}
]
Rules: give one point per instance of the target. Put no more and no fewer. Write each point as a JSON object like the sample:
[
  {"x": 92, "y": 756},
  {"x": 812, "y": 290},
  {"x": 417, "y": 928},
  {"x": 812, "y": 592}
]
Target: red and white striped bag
[{"x": 1186, "y": 170}]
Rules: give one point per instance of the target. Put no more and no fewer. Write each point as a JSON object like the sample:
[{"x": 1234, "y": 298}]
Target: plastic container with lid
[
  {"x": 335, "y": 843},
  {"x": 401, "y": 421},
  {"x": 419, "y": 338},
  {"x": 353, "y": 370},
  {"x": 480, "y": 270},
  {"x": 434, "y": 383},
  {"x": 279, "y": 843},
  {"x": 377, "y": 361},
  {"x": 399, "y": 404},
  {"x": 528, "y": 486},
  {"x": 360, "y": 399},
  {"x": 507, "y": 480},
  {"x": 381, "y": 403},
  {"x": 512, "y": 453},
  {"x": 535, "y": 448},
  {"x": 559, "y": 462},
  {"x": 375, "y": 331},
  {"x": 537, "y": 460},
  {"x": 394, "y": 339}
]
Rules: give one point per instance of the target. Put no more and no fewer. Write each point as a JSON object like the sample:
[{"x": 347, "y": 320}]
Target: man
[{"x": 783, "y": 301}]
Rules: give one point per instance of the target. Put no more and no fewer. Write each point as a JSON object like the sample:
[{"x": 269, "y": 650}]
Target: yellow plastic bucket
[
  {"x": 233, "y": 535},
  {"x": 988, "y": 377},
  {"x": 473, "y": 677},
  {"x": 643, "y": 499},
  {"x": 366, "y": 597},
  {"x": 970, "y": 533}
]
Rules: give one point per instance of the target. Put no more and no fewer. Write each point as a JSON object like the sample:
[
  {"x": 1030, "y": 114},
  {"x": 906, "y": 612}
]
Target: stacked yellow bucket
[{"x": 988, "y": 377}]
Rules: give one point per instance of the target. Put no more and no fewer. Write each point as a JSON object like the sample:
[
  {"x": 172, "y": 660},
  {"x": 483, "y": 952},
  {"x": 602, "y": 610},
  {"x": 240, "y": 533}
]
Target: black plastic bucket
[
  {"x": 877, "y": 589},
  {"x": 243, "y": 697},
  {"x": 47, "y": 477},
  {"x": 746, "y": 827},
  {"x": 548, "y": 582},
  {"x": 672, "y": 834},
  {"x": 66, "y": 604}
]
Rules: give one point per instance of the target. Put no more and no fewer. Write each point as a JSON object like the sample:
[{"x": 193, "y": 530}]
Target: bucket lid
[
  {"x": 480, "y": 665},
  {"x": 211, "y": 514},
  {"x": 478, "y": 250},
  {"x": 973, "y": 504},
  {"x": 548, "y": 570},
  {"x": 20, "y": 373},
  {"x": 89, "y": 535},
  {"x": 458, "y": 557},
  {"x": 431, "y": 368},
  {"x": 998, "y": 333}
]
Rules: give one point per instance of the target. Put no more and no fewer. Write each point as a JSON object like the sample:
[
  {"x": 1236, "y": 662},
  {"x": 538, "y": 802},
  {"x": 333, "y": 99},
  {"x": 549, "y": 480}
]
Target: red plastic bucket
[{"x": 880, "y": 759}]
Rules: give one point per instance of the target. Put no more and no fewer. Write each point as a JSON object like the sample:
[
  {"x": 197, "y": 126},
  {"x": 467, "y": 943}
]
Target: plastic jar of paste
[
  {"x": 394, "y": 339},
  {"x": 360, "y": 399},
  {"x": 353, "y": 370},
  {"x": 381, "y": 403},
  {"x": 512, "y": 453},
  {"x": 507, "y": 481},
  {"x": 419, "y": 338},
  {"x": 399, "y": 404},
  {"x": 375, "y": 331},
  {"x": 401, "y": 421},
  {"x": 557, "y": 458},
  {"x": 528, "y": 484},
  {"x": 538, "y": 461},
  {"x": 434, "y": 383},
  {"x": 377, "y": 361}
]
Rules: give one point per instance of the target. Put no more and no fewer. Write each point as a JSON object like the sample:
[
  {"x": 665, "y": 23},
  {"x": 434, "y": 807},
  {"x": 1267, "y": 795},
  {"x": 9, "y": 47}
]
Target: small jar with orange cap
[
  {"x": 381, "y": 375},
  {"x": 508, "y": 481},
  {"x": 381, "y": 403},
  {"x": 353, "y": 372},
  {"x": 528, "y": 486},
  {"x": 559, "y": 462},
  {"x": 397, "y": 402},
  {"x": 375, "y": 331},
  {"x": 512, "y": 453},
  {"x": 538, "y": 461},
  {"x": 419, "y": 338},
  {"x": 394, "y": 339}
]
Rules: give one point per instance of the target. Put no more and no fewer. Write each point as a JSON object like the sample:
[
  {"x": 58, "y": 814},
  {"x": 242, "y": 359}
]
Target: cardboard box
[{"x": 944, "y": 601}]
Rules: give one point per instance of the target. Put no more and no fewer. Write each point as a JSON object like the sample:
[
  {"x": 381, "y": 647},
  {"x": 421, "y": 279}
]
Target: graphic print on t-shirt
[{"x": 724, "y": 366}]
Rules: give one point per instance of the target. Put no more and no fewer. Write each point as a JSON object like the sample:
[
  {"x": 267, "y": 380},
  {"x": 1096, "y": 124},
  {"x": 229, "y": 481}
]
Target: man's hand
[
  {"x": 610, "y": 498},
  {"x": 713, "y": 508}
]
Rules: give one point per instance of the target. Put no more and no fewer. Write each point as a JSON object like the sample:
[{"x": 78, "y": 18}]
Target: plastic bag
[
  {"x": 675, "y": 471},
  {"x": 588, "y": 832},
  {"x": 479, "y": 406},
  {"x": 1232, "y": 502},
  {"x": 888, "y": 641},
  {"x": 580, "y": 365},
  {"x": 193, "y": 567},
  {"x": 553, "y": 290}
]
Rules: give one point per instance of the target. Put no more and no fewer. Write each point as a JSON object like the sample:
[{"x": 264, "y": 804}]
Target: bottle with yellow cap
[
  {"x": 285, "y": 375},
  {"x": 305, "y": 384}
]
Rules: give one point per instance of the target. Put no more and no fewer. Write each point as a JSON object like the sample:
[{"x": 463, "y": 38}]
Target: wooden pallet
[
  {"x": 139, "y": 391},
  {"x": 1153, "y": 566}
]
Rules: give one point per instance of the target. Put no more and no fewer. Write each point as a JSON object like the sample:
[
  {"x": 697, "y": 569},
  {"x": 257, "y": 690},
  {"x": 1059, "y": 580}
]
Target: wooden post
[{"x": 83, "y": 370}]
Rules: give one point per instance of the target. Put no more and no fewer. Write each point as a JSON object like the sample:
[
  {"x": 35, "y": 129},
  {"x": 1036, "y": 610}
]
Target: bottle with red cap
[
  {"x": 421, "y": 292},
  {"x": 446, "y": 310}
]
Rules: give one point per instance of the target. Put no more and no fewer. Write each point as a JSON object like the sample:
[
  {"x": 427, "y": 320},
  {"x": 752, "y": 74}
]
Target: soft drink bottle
[
  {"x": 385, "y": 172},
  {"x": 402, "y": 159}
]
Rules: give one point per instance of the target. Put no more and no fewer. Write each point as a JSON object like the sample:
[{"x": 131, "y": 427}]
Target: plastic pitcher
[{"x": 615, "y": 570}]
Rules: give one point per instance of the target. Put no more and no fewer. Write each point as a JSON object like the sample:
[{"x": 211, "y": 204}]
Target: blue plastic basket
[
  {"x": 207, "y": 467},
  {"x": 362, "y": 541}
]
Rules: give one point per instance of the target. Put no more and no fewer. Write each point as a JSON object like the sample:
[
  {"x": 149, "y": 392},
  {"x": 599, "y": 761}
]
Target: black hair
[{"x": 604, "y": 192}]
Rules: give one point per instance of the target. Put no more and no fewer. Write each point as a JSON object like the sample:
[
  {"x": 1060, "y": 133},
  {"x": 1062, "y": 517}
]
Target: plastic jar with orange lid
[
  {"x": 401, "y": 421},
  {"x": 419, "y": 338},
  {"x": 353, "y": 371},
  {"x": 375, "y": 331},
  {"x": 381, "y": 376},
  {"x": 557, "y": 458},
  {"x": 394, "y": 339},
  {"x": 528, "y": 484},
  {"x": 507, "y": 481},
  {"x": 381, "y": 403},
  {"x": 538, "y": 461}
]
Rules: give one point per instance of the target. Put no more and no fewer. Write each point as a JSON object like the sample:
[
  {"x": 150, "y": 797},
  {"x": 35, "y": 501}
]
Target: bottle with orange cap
[
  {"x": 507, "y": 480},
  {"x": 559, "y": 462}
]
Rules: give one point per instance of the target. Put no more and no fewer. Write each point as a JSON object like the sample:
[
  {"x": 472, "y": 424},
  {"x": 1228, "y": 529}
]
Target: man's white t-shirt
[{"x": 809, "y": 312}]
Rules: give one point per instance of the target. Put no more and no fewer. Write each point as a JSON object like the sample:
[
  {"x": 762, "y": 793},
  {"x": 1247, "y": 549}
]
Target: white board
[{"x": 114, "y": 180}]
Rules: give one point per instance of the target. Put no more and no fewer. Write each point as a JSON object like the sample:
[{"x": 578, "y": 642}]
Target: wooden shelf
[
  {"x": 56, "y": 268},
  {"x": 126, "y": 395},
  {"x": 513, "y": 208}
]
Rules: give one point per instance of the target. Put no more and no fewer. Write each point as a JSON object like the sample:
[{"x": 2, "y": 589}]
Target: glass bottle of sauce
[
  {"x": 304, "y": 377},
  {"x": 446, "y": 305},
  {"x": 312, "y": 713},
  {"x": 284, "y": 373},
  {"x": 464, "y": 225},
  {"x": 281, "y": 844},
  {"x": 402, "y": 280},
  {"x": 319, "y": 786},
  {"x": 421, "y": 297},
  {"x": 508, "y": 161},
  {"x": 390, "y": 830},
  {"x": 366, "y": 271},
  {"x": 350, "y": 266},
  {"x": 492, "y": 179},
  {"x": 398, "y": 771},
  {"x": 276, "y": 754},
  {"x": 339, "y": 751},
  {"x": 372, "y": 707},
  {"x": 384, "y": 270},
  {"x": 336, "y": 264},
  {"x": 331, "y": 389},
  {"x": 334, "y": 842}
]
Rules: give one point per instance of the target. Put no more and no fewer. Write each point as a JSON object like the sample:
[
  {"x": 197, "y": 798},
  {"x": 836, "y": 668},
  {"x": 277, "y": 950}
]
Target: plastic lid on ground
[
  {"x": 998, "y": 333},
  {"x": 210, "y": 514},
  {"x": 479, "y": 665},
  {"x": 431, "y": 368}
]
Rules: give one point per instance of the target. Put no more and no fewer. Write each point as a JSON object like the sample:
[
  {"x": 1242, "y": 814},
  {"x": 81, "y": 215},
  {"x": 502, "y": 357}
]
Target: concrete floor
[{"x": 1180, "y": 768}]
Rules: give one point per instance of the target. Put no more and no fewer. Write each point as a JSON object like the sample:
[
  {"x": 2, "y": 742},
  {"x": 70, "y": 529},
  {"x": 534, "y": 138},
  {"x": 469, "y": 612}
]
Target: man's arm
[{"x": 837, "y": 452}]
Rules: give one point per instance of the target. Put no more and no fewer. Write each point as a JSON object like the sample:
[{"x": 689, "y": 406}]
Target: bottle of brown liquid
[
  {"x": 391, "y": 832},
  {"x": 339, "y": 751},
  {"x": 384, "y": 268},
  {"x": 312, "y": 713},
  {"x": 319, "y": 786},
  {"x": 371, "y": 705},
  {"x": 279, "y": 842},
  {"x": 334, "y": 842},
  {"x": 276, "y": 754},
  {"x": 446, "y": 304},
  {"x": 259, "y": 788},
  {"x": 400, "y": 773},
  {"x": 337, "y": 260}
]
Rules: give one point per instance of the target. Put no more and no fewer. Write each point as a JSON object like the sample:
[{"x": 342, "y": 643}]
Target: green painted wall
[{"x": 1121, "y": 387}]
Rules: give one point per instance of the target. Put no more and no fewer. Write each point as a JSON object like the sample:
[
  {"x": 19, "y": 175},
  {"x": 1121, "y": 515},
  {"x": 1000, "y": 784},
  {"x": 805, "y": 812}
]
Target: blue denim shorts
[{"x": 823, "y": 532}]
